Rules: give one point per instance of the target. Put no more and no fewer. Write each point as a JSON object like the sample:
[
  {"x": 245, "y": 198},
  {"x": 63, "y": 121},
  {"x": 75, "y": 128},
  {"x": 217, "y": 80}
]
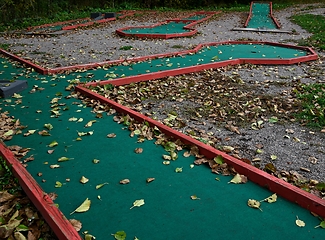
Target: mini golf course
[
  {"x": 168, "y": 29},
  {"x": 80, "y": 152}
]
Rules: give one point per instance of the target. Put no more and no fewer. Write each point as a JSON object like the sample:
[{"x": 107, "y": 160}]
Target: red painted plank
[
  {"x": 53, "y": 216},
  {"x": 274, "y": 184}
]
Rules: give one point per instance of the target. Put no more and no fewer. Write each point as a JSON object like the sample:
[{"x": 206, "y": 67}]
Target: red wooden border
[
  {"x": 191, "y": 31},
  {"x": 274, "y": 184},
  {"x": 56, "y": 23},
  {"x": 125, "y": 13},
  {"x": 37, "y": 68},
  {"x": 311, "y": 56},
  {"x": 53, "y": 216},
  {"x": 271, "y": 15}
]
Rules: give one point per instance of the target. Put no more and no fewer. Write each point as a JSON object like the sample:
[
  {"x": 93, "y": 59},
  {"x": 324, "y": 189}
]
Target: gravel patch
[{"x": 297, "y": 148}]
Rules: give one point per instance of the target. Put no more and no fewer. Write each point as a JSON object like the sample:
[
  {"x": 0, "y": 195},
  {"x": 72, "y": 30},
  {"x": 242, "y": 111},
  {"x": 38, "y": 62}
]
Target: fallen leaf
[
  {"x": 219, "y": 159},
  {"x": 271, "y": 199},
  {"x": 238, "y": 179},
  {"x": 273, "y": 119},
  {"x": 58, "y": 184},
  {"x": 138, "y": 203},
  {"x": 138, "y": 150},
  {"x": 64, "y": 159},
  {"x": 8, "y": 133},
  {"x": 73, "y": 119},
  {"x": 84, "y": 180},
  {"x": 49, "y": 126},
  {"x": 53, "y": 144},
  {"x": 50, "y": 151},
  {"x": 84, "y": 207},
  {"x": 111, "y": 135},
  {"x": 254, "y": 204},
  {"x": 95, "y": 161},
  {"x": 76, "y": 224},
  {"x": 273, "y": 157},
  {"x": 120, "y": 235},
  {"x": 322, "y": 224},
  {"x": 179, "y": 169},
  {"x": 300, "y": 223},
  {"x": 5, "y": 196},
  {"x": 186, "y": 154},
  {"x": 19, "y": 236},
  {"x": 90, "y": 123},
  {"x": 54, "y": 166},
  {"x": 89, "y": 237},
  {"x": 125, "y": 181},
  {"x": 150, "y": 180},
  {"x": 101, "y": 185},
  {"x": 44, "y": 133},
  {"x": 194, "y": 197},
  {"x": 166, "y": 157},
  {"x": 166, "y": 162}
]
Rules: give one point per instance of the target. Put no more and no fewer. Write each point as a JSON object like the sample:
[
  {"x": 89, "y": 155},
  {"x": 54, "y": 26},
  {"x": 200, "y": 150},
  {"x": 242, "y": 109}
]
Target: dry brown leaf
[
  {"x": 5, "y": 196},
  {"x": 76, "y": 224},
  {"x": 138, "y": 150}
]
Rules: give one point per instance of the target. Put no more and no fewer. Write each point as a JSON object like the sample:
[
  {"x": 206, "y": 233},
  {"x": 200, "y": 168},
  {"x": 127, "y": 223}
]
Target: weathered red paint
[
  {"x": 53, "y": 216},
  {"x": 274, "y": 184}
]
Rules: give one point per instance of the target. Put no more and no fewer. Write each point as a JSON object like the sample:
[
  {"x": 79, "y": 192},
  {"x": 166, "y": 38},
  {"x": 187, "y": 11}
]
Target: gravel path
[{"x": 297, "y": 148}]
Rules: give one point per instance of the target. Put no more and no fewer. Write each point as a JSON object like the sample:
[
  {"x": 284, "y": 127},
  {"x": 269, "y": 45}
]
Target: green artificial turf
[
  {"x": 221, "y": 212},
  {"x": 167, "y": 28},
  {"x": 205, "y": 55},
  {"x": 261, "y": 17}
]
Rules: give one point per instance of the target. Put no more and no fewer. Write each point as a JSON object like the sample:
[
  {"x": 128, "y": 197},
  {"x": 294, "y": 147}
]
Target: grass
[
  {"x": 7, "y": 180},
  {"x": 126, "y": 48},
  {"x": 312, "y": 97},
  {"x": 4, "y": 46},
  {"x": 314, "y": 24}
]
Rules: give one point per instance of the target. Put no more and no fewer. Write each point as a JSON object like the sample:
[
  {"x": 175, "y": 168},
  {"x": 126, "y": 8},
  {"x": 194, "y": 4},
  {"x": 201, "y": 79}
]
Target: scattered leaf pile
[
  {"x": 19, "y": 219},
  {"x": 189, "y": 101}
]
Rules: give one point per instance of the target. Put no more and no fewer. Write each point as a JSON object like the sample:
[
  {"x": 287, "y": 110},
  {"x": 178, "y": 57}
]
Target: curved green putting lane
[
  {"x": 168, "y": 212},
  {"x": 168, "y": 29}
]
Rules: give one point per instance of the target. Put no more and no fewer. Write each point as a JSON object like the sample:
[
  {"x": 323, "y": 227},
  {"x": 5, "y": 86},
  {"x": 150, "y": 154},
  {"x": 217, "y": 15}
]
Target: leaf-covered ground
[{"x": 247, "y": 111}]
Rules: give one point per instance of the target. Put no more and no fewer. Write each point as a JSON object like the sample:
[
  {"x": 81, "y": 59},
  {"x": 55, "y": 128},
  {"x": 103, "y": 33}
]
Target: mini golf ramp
[
  {"x": 168, "y": 212},
  {"x": 169, "y": 29},
  {"x": 261, "y": 19}
]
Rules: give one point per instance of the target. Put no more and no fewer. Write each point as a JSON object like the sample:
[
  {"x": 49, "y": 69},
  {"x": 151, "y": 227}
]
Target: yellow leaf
[
  {"x": 84, "y": 180},
  {"x": 101, "y": 185},
  {"x": 238, "y": 179},
  {"x": 254, "y": 204},
  {"x": 90, "y": 123},
  {"x": 58, "y": 184},
  {"x": 271, "y": 199},
  {"x": 138, "y": 203},
  {"x": 84, "y": 207},
  {"x": 300, "y": 223},
  {"x": 63, "y": 159},
  {"x": 194, "y": 197}
]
